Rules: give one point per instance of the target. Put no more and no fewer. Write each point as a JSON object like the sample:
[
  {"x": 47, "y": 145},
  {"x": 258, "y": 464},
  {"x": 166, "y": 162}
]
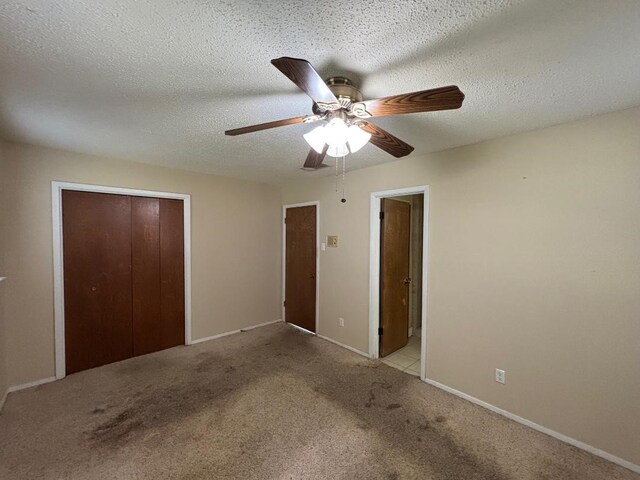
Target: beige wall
[
  {"x": 235, "y": 247},
  {"x": 534, "y": 267}
]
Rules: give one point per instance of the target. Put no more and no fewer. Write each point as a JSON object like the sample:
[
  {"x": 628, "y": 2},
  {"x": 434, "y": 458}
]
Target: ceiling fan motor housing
[{"x": 344, "y": 90}]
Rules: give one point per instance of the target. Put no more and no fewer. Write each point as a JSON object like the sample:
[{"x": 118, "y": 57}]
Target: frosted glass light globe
[
  {"x": 336, "y": 132},
  {"x": 316, "y": 138},
  {"x": 358, "y": 138},
  {"x": 338, "y": 151}
]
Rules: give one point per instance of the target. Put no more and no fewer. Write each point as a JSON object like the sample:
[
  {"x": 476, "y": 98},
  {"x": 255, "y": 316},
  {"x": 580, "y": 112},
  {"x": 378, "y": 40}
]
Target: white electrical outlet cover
[{"x": 501, "y": 376}]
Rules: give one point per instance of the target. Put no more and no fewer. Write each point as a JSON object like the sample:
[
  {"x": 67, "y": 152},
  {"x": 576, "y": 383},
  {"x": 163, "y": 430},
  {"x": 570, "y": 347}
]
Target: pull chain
[{"x": 344, "y": 173}]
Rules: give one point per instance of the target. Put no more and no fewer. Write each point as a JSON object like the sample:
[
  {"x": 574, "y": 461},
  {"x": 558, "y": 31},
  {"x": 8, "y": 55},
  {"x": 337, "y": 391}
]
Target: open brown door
[
  {"x": 300, "y": 267},
  {"x": 395, "y": 238}
]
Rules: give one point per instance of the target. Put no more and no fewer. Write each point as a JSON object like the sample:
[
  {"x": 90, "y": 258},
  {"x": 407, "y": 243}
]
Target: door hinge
[
  {"x": 380, "y": 331},
  {"x": 381, "y": 215},
  {"x": 284, "y": 304},
  {"x": 285, "y": 219}
]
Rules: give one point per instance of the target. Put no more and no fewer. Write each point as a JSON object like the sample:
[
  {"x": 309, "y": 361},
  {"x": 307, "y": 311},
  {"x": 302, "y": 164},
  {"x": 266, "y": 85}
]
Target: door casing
[
  {"x": 58, "y": 257},
  {"x": 374, "y": 269},
  {"x": 284, "y": 257}
]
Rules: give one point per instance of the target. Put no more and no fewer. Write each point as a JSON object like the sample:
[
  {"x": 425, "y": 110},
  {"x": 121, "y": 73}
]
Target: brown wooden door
[
  {"x": 172, "y": 313},
  {"x": 158, "y": 274},
  {"x": 300, "y": 267},
  {"x": 123, "y": 276},
  {"x": 395, "y": 238},
  {"x": 97, "y": 279}
]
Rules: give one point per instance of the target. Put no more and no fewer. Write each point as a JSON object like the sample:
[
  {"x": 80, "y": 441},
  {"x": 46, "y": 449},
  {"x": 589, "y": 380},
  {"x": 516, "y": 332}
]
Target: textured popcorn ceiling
[{"x": 158, "y": 81}]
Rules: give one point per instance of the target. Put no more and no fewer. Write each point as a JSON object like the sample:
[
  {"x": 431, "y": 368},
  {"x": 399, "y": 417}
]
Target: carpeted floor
[{"x": 270, "y": 403}]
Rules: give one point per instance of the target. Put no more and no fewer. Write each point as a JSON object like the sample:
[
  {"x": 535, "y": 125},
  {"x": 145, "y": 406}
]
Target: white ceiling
[{"x": 159, "y": 81}]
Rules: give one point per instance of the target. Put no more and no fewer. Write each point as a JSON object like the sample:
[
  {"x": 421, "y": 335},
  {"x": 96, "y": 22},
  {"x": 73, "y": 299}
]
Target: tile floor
[{"x": 407, "y": 358}]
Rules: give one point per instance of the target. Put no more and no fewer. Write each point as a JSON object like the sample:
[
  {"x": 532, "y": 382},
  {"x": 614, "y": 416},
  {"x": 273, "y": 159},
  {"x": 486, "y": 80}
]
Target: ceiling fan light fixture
[
  {"x": 336, "y": 133},
  {"x": 358, "y": 138},
  {"x": 339, "y": 105},
  {"x": 338, "y": 150},
  {"x": 316, "y": 138}
]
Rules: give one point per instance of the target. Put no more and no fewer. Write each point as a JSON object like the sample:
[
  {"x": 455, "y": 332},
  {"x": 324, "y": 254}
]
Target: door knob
[
  {"x": 93, "y": 288},
  {"x": 313, "y": 275},
  {"x": 407, "y": 281}
]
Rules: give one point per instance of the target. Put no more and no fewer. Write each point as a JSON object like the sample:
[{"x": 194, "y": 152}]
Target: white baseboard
[
  {"x": 3, "y": 399},
  {"x": 355, "y": 350},
  {"x": 297, "y": 327},
  {"x": 35, "y": 383},
  {"x": 15, "y": 388},
  {"x": 220, "y": 335},
  {"x": 552, "y": 433}
]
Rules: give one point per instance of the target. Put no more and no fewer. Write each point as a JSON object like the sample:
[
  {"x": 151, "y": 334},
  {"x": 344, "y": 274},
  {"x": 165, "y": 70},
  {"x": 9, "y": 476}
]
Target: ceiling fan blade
[
  {"x": 314, "y": 159},
  {"x": 443, "y": 98},
  {"x": 277, "y": 123},
  {"x": 387, "y": 142},
  {"x": 306, "y": 77}
]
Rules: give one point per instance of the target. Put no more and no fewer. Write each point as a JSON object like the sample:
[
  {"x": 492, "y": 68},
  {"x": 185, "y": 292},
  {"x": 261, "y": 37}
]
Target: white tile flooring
[{"x": 407, "y": 358}]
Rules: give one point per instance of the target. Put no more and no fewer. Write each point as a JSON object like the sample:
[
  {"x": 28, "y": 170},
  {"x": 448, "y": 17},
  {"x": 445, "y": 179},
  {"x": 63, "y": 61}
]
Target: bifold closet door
[
  {"x": 123, "y": 277},
  {"x": 97, "y": 279},
  {"x": 158, "y": 274}
]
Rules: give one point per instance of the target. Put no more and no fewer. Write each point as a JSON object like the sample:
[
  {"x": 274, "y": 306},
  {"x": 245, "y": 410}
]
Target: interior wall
[
  {"x": 534, "y": 241},
  {"x": 235, "y": 249}
]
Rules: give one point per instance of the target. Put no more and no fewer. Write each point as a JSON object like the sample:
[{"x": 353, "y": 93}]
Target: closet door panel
[
  {"x": 96, "y": 230},
  {"x": 145, "y": 241},
  {"x": 172, "y": 272}
]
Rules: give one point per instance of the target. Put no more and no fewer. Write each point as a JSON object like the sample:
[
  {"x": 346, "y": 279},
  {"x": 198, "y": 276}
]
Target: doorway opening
[{"x": 399, "y": 226}]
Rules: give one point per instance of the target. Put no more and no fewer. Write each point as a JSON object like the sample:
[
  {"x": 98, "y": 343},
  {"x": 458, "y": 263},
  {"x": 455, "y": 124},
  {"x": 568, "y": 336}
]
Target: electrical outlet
[
  {"x": 501, "y": 376},
  {"x": 341, "y": 321},
  {"x": 332, "y": 241}
]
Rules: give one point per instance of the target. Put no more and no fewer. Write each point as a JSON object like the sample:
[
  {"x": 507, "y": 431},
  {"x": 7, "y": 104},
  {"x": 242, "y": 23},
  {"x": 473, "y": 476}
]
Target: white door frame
[
  {"x": 284, "y": 259},
  {"x": 58, "y": 256},
  {"x": 374, "y": 270}
]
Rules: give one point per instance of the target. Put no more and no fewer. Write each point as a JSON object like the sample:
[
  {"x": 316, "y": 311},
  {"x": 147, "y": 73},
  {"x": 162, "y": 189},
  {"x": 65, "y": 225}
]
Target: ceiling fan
[{"x": 339, "y": 105}]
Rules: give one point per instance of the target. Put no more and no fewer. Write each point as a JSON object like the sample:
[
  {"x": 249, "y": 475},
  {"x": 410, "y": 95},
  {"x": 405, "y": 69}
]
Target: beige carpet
[{"x": 271, "y": 403}]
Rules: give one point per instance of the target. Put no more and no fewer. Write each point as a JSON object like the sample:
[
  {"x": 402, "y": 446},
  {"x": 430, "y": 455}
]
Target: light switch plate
[{"x": 332, "y": 241}]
